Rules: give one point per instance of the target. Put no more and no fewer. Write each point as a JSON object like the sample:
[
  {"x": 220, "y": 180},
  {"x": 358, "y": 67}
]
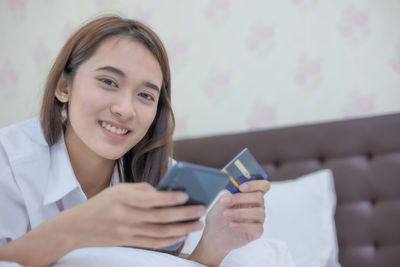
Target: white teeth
[{"x": 113, "y": 129}]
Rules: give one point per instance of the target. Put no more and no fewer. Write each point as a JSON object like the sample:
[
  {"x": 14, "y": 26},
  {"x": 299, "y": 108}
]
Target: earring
[
  {"x": 64, "y": 114},
  {"x": 62, "y": 96}
]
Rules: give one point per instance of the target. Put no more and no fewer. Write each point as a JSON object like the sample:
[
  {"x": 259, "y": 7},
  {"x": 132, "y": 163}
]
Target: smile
[{"x": 113, "y": 129}]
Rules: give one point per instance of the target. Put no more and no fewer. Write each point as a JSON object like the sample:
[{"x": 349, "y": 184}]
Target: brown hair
[{"x": 148, "y": 160}]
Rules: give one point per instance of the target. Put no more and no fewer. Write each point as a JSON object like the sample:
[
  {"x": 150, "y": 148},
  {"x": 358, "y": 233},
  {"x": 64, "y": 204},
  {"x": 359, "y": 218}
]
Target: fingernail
[
  {"x": 181, "y": 197},
  {"x": 228, "y": 213},
  {"x": 233, "y": 224},
  {"x": 244, "y": 187},
  {"x": 201, "y": 212},
  {"x": 226, "y": 200}
]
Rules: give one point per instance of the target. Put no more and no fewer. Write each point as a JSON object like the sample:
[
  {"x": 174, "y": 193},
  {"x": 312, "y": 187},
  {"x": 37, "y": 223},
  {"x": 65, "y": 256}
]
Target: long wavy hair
[{"x": 148, "y": 160}]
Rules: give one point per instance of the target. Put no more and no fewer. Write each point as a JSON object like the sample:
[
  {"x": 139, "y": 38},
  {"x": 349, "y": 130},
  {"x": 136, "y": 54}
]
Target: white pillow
[
  {"x": 299, "y": 212},
  {"x": 261, "y": 252},
  {"x": 121, "y": 257}
]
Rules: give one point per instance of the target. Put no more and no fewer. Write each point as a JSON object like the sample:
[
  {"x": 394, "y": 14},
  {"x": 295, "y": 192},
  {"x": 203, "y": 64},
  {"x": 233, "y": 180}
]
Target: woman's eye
[
  {"x": 108, "y": 82},
  {"x": 146, "y": 96}
]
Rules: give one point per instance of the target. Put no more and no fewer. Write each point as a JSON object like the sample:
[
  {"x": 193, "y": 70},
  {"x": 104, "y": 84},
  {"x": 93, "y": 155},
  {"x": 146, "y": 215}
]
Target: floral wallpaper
[{"x": 236, "y": 65}]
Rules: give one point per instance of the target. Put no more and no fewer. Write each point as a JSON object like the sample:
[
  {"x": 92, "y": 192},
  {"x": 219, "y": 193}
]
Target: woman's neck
[{"x": 92, "y": 171}]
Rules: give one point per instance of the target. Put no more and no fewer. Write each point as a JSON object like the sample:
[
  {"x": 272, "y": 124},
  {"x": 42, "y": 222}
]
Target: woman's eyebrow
[
  {"x": 122, "y": 74},
  {"x": 113, "y": 70},
  {"x": 152, "y": 86}
]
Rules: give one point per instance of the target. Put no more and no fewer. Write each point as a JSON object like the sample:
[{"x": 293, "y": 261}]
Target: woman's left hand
[{"x": 233, "y": 221}]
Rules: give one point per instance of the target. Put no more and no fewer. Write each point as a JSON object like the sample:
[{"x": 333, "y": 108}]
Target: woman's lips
[{"x": 113, "y": 131}]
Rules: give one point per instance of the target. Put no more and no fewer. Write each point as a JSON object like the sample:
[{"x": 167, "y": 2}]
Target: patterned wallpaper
[{"x": 236, "y": 65}]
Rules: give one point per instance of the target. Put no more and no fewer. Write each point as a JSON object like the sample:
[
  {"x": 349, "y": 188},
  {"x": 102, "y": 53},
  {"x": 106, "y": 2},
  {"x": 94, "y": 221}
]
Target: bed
[
  {"x": 364, "y": 157},
  {"x": 334, "y": 199}
]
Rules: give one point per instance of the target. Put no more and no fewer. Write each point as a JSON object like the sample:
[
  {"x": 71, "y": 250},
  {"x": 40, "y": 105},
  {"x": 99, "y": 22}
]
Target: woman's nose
[{"x": 123, "y": 108}]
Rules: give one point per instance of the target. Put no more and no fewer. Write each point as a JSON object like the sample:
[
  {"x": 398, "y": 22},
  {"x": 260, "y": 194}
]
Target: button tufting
[
  {"x": 276, "y": 163},
  {"x": 369, "y": 156},
  {"x": 321, "y": 159}
]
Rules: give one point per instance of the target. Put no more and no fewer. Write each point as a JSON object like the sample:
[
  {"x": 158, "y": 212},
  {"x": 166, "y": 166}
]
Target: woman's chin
[{"x": 110, "y": 155}]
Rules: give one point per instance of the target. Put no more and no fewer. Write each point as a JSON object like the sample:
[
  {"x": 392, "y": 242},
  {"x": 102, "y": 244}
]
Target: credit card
[{"x": 241, "y": 169}]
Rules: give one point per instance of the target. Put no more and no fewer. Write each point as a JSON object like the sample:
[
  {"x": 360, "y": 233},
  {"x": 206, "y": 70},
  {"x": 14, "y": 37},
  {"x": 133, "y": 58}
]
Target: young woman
[{"x": 84, "y": 173}]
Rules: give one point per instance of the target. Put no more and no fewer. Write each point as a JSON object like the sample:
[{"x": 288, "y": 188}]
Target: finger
[
  {"x": 172, "y": 214},
  {"x": 252, "y": 231},
  {"x": 162, "y": 198},
  {"x": 245, "y": 215},
  {"x": 144, "y": 197},
  {"x": 226, "y": 199},
  {"x": 143, "y": 186},
  {"x": 153, "y": 242},
  {"x": 252, "y": 199},
  {"x": 255, "y": 185},
  {"x": 166, "y": 230}
]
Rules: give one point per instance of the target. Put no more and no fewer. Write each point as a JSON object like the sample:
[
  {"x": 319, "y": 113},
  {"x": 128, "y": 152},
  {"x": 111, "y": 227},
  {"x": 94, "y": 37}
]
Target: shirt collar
[
  {"x": 115, "y": 179},
  {"x": 61, "y": 179}
]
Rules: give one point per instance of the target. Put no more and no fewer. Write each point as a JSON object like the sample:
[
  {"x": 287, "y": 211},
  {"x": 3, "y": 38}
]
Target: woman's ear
[{"x": 62, "y": 91}]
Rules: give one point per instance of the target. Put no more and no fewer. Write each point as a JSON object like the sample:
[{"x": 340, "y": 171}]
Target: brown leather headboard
[{"x": 364, "y": 155}]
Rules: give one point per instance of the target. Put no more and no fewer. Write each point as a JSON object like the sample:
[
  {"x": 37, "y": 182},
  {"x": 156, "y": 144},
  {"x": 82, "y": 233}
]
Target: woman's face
[{"x": 113, "y": 97}]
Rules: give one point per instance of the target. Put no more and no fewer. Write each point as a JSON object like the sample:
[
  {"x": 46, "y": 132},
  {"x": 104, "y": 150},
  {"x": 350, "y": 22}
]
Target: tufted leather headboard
[{"x": 364, "y": 155}]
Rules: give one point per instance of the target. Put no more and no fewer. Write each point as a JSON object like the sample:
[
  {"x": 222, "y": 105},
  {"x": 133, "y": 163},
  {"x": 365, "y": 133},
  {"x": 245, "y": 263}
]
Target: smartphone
[{"x": 202, "y": 184}]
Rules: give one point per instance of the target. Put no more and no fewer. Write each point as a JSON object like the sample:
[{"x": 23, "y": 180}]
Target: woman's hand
[
  {"x": 234, "y": 221},
  {"x": 129, "y": 214},
  {"x": 134, "y": 214}
]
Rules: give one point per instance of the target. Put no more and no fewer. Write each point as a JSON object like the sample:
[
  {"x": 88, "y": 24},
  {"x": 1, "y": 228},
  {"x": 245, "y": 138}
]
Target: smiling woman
[
  {"x": 104, "y": 49},
  {"x": 84, "y": 174}
]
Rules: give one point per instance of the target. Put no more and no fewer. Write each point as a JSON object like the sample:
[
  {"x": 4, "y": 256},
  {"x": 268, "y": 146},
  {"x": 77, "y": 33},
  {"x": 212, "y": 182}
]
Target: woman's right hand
[
  {"x": 132, "y": 214},
  {"x": 129, "y": 214}
]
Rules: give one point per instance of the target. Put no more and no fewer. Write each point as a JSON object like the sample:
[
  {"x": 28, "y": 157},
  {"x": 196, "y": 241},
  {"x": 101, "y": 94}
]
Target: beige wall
[{"x": 236, "y": 65}]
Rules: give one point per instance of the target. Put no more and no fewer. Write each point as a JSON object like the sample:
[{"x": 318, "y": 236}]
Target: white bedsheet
[{"x": 259, "y": 253}]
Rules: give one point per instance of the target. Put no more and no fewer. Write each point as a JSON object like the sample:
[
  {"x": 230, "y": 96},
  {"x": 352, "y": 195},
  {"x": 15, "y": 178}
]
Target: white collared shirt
[{"x": 36, "y": 181}]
